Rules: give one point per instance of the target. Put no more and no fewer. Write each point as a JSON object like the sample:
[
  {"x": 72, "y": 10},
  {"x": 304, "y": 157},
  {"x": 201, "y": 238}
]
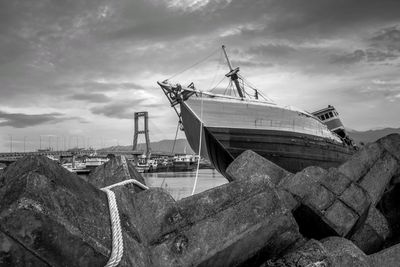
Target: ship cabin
[{"x": 330, "y": 117}]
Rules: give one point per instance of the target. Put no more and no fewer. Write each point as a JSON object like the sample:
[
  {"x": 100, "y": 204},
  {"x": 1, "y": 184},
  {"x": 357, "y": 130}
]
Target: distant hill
[
  {"x": 371, "y": 135},
  {"x": 181, "y": 146}
]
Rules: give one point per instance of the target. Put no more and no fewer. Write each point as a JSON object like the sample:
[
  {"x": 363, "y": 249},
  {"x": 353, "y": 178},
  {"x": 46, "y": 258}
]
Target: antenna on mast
[{"x": 233, "y": 74}]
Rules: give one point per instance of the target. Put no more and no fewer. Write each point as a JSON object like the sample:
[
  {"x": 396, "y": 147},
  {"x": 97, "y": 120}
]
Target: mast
[{"x": 233, "y": 74}]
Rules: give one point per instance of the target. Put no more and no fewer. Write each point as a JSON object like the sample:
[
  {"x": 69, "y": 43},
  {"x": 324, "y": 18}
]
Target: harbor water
[{"x": 180, "y": 184}]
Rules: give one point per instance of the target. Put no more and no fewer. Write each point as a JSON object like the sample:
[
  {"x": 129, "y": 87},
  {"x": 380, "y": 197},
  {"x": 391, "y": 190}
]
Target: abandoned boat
[{"x": 229, "y": 125}]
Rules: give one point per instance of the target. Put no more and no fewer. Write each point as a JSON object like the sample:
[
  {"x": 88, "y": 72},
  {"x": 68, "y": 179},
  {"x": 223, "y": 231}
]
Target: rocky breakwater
[{"x": 265, "y": 216}]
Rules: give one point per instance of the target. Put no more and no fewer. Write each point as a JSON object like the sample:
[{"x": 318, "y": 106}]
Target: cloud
[
  {"x": 388, "y": 39},
  {"x": 91, "y": 98},
  {"x": 351, "y": 58},
  {"x": 120, "y": 109},
  {"x": 20, "y": 120}
]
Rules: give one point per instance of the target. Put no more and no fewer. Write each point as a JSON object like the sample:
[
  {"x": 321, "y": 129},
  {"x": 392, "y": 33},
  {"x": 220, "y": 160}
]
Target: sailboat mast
[{"x": 233, "y": 74}]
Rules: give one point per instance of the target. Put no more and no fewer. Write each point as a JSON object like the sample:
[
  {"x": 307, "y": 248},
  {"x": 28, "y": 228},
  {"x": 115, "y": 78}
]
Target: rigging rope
[
  {"x": 201, "y": 132},
  {"x": 193, "y": 65}
]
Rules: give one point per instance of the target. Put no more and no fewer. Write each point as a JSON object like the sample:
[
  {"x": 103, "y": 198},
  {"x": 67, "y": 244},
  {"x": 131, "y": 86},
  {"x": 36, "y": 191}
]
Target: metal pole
[
  {"x": 233, "y": 74},
  {"x": 227, "y": 59}
]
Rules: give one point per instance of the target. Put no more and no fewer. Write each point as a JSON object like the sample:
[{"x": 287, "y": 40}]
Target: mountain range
[
  {"x": 371, "y": 135},
  {"x": 182, "y": 146}
]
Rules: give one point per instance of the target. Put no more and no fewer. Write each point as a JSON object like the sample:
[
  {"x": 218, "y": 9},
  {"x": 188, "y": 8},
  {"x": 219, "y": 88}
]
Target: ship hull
[{"x": 291, "y": 150}]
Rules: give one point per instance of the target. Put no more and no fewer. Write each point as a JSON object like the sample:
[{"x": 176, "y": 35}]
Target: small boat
[
  {"x": 223, "y": 126},
  {"x": 93, "y": 162}
]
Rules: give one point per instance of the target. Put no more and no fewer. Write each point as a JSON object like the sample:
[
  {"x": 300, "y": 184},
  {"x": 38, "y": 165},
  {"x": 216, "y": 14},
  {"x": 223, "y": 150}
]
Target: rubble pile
[{"x": 265, "y": 216}]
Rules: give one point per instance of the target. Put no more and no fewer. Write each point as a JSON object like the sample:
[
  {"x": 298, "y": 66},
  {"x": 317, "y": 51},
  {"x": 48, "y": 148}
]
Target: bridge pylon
[{"x": 145, "y": 131}]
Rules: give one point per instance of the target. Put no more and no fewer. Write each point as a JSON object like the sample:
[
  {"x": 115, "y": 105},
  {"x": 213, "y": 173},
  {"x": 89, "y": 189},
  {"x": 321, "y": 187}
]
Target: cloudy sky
[{"x": 76, "y": 71}]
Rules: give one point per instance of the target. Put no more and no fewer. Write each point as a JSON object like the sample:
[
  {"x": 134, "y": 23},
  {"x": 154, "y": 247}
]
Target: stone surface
[
  {"x": 359, "y": 164},
  {"x": 299, "y": 183},
  {"x": 341, "y": 218},
  {"x": 389, "y": 257},
  {"x": 14, "y": 254},
  {"x": 319, "y": 197},
  {"x": 250, "y": 164},
  {"x": 59, "y": 217},
  {"x": 236, "y": 223},
  {"x": 391, "y": 143},
  {"x": 356, "y": 198},
  {"x": 328, "y": 202},
  {"x": 343, "y": 253},
  {"x": 66, "y": 221},
  {"x": 379, "y": 176},
  {"x": 113, "y": 171},
  {"x": 371, "y": 236},
  {"x": 331, "y": 251},
  {"x": 312, "y": 253},
  {"x": 335, "y": 181}
]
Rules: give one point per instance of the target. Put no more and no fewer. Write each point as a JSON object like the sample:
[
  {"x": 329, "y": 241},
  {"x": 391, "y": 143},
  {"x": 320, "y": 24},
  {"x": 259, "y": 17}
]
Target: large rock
[
  {"x": 389, "y": 257},
  {"x": 371, "y": 236},
  {"x": 117, "y": 169},
  {"x": 379, "y": 176},
  {"x": 359, "y": 164},
  {"x": 61, "y": 219},
  {"x": 331, "y": 204},
  {"x": 343, "y": 253},
  {"x": 332, "y": 251},
  {"x": 57, "y": 218},
  {"x": 312, "y": 253},
  {"x": 14, "y": 254},
  {"x": 236, "y": 223},
  {"x": 374, "y": 166},
  {"x": 250, "y": 164}
]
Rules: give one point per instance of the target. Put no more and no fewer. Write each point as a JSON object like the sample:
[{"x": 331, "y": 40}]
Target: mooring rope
[
  {"x": 201, "y": 132},
  {"x": 117, "y": 249}
]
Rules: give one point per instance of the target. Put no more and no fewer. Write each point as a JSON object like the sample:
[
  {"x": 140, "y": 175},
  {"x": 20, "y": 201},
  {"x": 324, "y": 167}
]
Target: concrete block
[
  {"x": 312, "y": 253},
  {"x": 356, "y": 198},
  {"x": 359, "y": 164},
  {"x": 341, "y": 218},
  {"x": 59, "y": 217},
  {"x": 66, "y": 221},
  {"x": 250, "y": 164},
  {"x": 287, "y": 199},
  {"x": 335, "y": 181},
  {"x": 113, "y": 171},
  {"x": 343, "y": 253},
  {"x": 319, "y": 197},
  {"x": 14, "y": 254},
  {"x": 371, "y": 236},
  {"x": 379, "y": 176},
  {"x": 299, "y": 183},
  {"x": 391, "y": 143},
  {"x": 389, "y": 257},
  {"x": 331, "y": 251},
  {"x": 228, "y": 230}
]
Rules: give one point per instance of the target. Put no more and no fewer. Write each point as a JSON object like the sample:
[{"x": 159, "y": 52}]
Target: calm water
[{"x": 180, "y": 184}]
